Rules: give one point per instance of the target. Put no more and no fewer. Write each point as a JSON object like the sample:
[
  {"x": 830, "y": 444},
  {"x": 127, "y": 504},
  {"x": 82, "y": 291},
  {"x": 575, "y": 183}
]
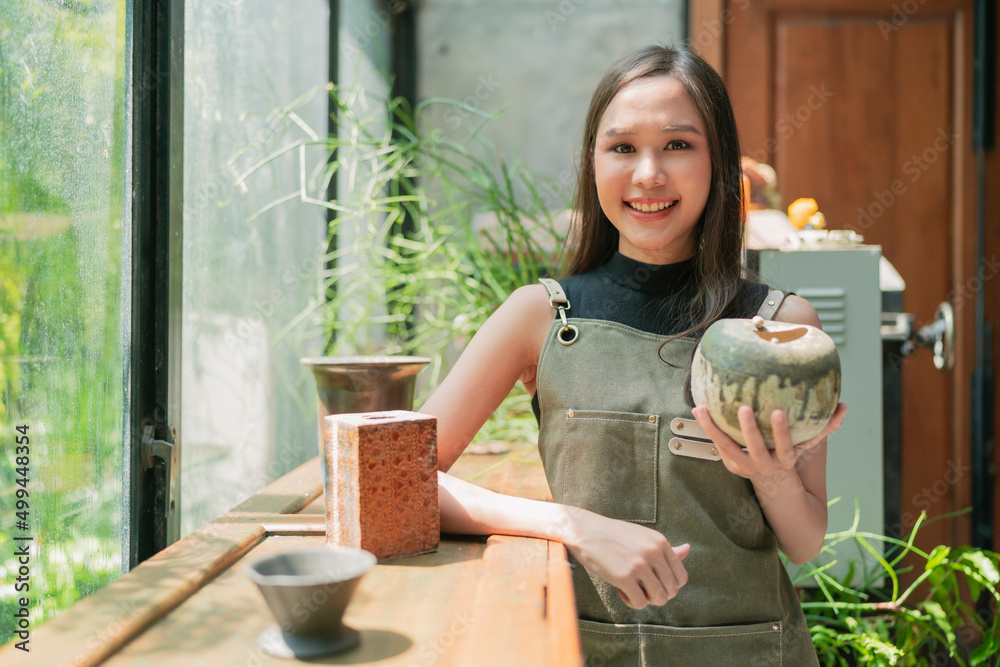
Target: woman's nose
[{"x": 649, "y": 172}]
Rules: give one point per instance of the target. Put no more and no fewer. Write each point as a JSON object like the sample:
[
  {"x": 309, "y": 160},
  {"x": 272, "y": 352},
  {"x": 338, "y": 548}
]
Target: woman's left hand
[{"x": 757, "y": 461}]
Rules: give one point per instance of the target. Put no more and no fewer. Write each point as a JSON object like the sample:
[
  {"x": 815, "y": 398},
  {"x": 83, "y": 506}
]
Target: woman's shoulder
[
  {"x": 524, "y": 321},
  {"x": 792, "y": 308},
  {"x": 528, "y": 304},
  {"x": 796, "y": 310},
  {"x": 532, "y": 297}
]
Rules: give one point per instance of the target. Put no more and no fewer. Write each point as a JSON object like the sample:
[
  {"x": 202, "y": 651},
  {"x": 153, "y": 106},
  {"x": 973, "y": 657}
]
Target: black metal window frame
[{"x": 153, "y": 383}]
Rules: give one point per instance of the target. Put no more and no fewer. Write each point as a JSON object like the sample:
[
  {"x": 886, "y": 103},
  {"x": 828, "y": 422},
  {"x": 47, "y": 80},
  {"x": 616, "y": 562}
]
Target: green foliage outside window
[{"x": 62, "y": 135}]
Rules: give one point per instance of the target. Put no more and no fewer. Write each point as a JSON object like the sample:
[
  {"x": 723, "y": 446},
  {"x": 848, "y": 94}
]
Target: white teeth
[{"x": 648, "y": 208}]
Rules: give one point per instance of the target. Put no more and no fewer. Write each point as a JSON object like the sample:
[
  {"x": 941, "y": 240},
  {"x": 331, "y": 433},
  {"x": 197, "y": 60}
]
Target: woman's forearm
[
  {"x": 637, "y": 560},
  {"x": 797, "y": 517},
  {"x": 468, "y": 509}
]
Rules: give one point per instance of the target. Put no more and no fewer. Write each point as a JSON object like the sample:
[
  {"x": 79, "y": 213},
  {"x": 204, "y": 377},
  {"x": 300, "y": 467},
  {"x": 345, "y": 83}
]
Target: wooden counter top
[{"x": 476, "y": 601}]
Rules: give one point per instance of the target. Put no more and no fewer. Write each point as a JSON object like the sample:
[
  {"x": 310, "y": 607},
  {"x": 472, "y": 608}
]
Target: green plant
[
  {"x": 406, "y": 271},
  {"x": 886, "y": 624}
]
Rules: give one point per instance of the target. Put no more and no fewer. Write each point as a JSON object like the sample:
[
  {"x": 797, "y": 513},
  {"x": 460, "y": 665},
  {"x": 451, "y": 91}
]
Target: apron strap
[
  {"x": 771, "y": 303},
  {"x": 556, "y": 293},
  {"x": 559, "y": 301}
]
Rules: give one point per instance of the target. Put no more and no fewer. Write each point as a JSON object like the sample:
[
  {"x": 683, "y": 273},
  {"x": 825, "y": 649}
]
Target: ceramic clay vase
[{"x": 767, "y": 365}]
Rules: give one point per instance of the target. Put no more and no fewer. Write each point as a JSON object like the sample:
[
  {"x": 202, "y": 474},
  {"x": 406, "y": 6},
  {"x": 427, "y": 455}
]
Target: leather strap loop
[
  {"x": 688, "y": 428},
  {"x": 696, "y": 449},
  {"x": 771, "y": 304},
  {"x": 556, "y": 294}
]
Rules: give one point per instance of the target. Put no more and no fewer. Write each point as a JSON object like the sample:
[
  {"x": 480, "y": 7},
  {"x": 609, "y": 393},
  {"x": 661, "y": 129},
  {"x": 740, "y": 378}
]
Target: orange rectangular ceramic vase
[{"x": 380, "y": 471}]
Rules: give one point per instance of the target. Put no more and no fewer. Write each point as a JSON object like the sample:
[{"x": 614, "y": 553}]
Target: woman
[{"x": 675, "y": 557}]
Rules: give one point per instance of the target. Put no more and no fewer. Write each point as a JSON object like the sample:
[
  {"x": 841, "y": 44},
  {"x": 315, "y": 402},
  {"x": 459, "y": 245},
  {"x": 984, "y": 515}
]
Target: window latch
[{"x": 166, "y": 452}]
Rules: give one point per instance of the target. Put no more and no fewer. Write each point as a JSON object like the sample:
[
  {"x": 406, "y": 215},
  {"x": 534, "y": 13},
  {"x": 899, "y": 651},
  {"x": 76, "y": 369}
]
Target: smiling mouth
[{"x": 651, "y": 208}]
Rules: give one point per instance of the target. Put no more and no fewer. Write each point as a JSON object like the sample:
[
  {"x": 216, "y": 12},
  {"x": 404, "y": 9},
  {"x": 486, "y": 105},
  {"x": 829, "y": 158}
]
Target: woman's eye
[
  {"x": 677, "y": 145},
  {"x": 622, "y": 148}
]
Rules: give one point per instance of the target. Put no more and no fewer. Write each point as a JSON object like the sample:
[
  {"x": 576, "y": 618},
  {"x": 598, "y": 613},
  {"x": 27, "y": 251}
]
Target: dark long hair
[{"x": 720, "y": 230}]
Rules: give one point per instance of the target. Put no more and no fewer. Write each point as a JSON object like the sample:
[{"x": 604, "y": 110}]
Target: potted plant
[{"x": 407, "y": 271}]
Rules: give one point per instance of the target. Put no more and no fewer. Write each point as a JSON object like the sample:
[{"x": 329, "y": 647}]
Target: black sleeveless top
[{"x": 649, "y": 297}]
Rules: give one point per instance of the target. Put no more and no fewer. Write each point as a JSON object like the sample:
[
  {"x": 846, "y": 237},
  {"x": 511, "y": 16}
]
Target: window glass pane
[
  {"x": 63, "y": 219},
  {"x": 248, "y": 407}
]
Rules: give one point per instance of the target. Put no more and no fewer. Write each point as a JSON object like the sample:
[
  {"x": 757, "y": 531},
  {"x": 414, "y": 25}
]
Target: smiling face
[{"x": 653, "y": 169}]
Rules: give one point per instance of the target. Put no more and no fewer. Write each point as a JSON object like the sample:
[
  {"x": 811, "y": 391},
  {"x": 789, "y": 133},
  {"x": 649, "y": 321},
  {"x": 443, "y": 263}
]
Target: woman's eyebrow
[
  {"x": 617, "y": 131},
  {"x": 680, "y": 128}
]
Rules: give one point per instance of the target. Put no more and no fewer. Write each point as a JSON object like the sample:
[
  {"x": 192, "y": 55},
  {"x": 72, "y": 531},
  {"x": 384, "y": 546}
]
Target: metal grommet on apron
[{"x": 558, "y": 300}]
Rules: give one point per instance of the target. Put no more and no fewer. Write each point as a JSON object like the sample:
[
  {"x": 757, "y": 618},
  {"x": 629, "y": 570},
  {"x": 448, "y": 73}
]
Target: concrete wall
[{"x": 539, "y": 61}]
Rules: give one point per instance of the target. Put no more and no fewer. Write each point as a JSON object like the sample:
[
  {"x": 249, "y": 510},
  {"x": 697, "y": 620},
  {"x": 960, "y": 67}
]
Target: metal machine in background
[
  {"x": 843, "y": 283},
  {"x": 858, "y": 296}
]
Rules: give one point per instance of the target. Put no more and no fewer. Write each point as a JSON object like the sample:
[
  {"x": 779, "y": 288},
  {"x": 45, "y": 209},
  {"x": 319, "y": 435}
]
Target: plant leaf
[
  {"x": 937, "y": 556},
  {"x": 987, "y": 567},
  {"x": 940, "y": 618}
]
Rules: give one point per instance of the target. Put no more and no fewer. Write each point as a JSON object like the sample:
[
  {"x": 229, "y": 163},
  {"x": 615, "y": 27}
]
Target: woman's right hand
[{"x": 637, "y": 560}]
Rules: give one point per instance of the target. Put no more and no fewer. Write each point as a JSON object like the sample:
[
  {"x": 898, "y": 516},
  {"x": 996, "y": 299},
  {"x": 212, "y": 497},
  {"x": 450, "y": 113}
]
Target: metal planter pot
[{"x": 364, "y": 384}]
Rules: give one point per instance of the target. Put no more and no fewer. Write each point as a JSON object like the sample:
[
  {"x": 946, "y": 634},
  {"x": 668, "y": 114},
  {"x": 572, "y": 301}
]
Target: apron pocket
[
  {"x": 634, "y": 645},
  {"x": 610, "y": 463}
]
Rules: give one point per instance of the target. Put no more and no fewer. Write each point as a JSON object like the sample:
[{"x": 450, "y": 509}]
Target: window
[
  {"x": 64, "y": 294},
  {"x": 248, "y": 409},
  {"x": 90, "y": 198}
]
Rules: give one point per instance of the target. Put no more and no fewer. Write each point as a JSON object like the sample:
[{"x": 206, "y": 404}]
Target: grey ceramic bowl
[{"x": 308, "y": 592}]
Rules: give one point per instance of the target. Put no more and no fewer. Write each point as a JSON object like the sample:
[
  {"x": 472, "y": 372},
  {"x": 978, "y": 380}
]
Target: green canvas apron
[{"x": 607, "y": 402}]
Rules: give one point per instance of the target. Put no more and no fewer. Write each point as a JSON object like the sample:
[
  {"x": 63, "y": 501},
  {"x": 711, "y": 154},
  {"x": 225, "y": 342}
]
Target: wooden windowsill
[{"x": 191, "y": 604}]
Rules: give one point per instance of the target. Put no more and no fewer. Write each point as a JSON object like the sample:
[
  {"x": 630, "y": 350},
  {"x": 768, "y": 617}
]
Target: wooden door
[{"x": 865, "y": 105}]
